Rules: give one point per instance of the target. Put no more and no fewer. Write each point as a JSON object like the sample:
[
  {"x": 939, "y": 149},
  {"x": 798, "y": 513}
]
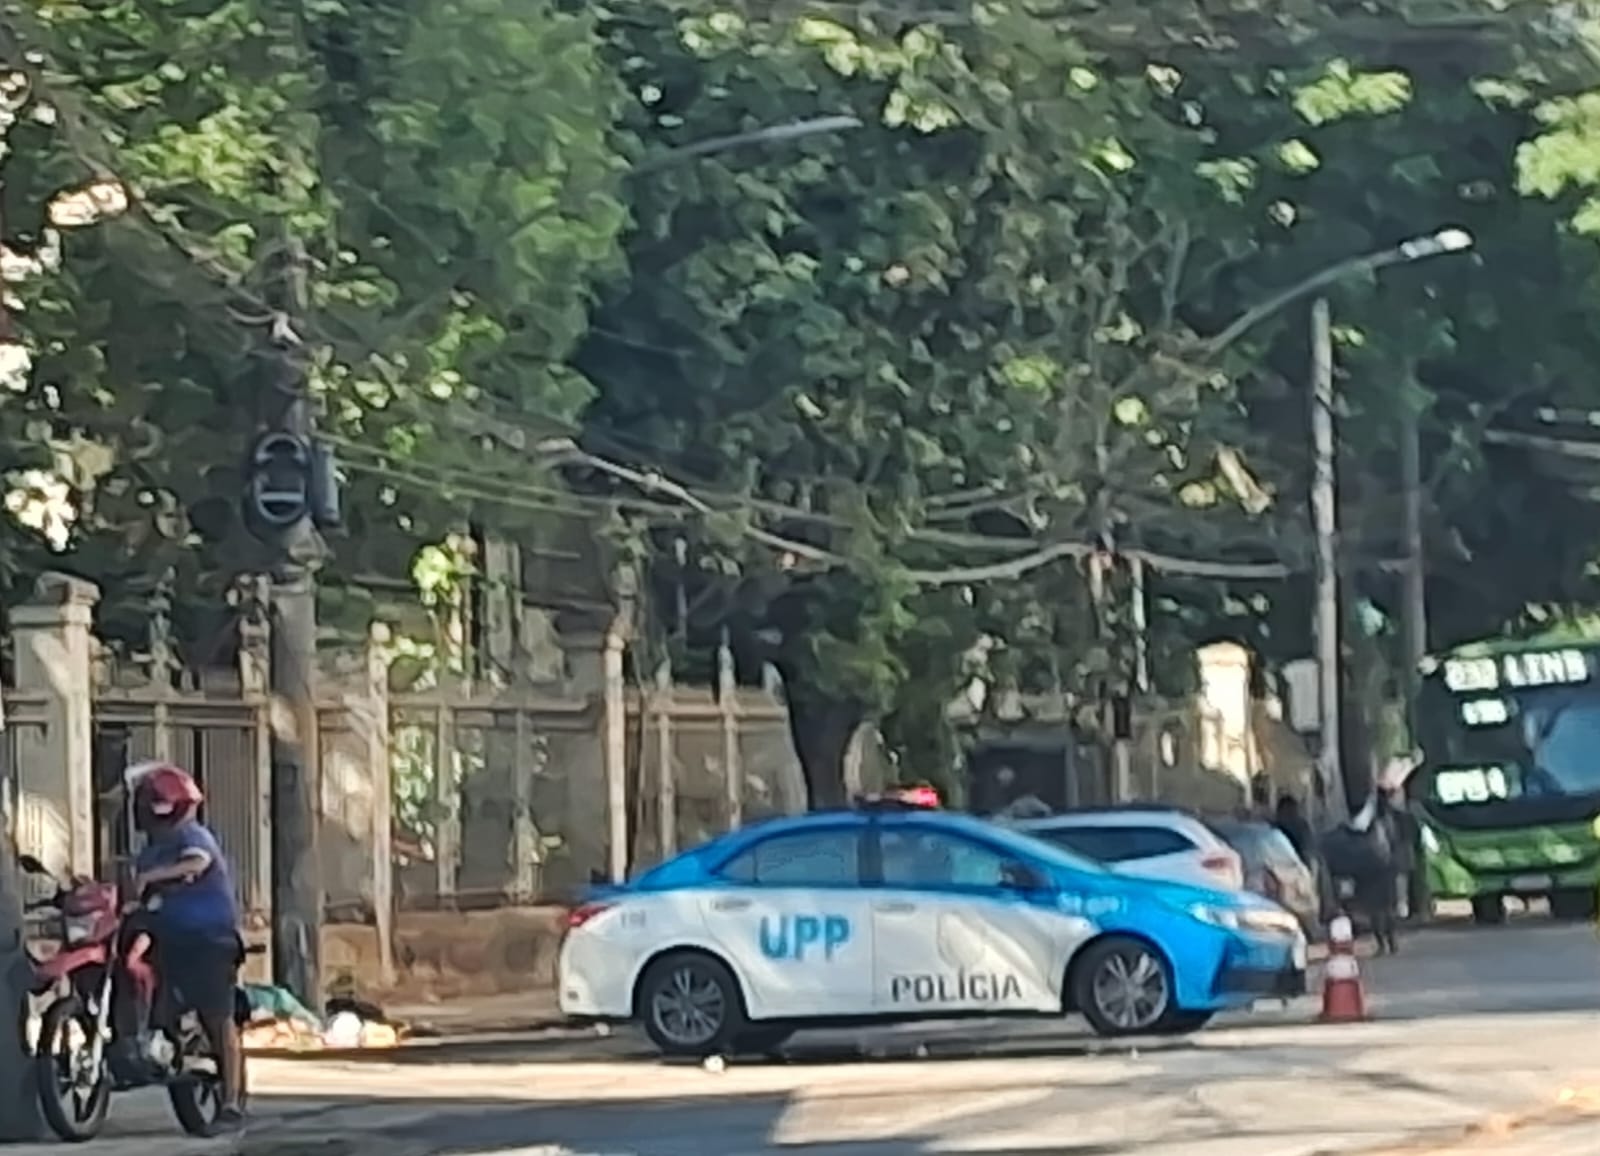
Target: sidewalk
[{"x": 531, "y": 1011}]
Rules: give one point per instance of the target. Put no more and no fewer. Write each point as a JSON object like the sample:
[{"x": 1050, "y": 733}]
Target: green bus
[{"x": 1509, "y": 785}]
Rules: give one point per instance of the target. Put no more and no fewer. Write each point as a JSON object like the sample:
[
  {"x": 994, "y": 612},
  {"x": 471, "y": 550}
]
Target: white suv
[{"x": 1148, "y": 842}]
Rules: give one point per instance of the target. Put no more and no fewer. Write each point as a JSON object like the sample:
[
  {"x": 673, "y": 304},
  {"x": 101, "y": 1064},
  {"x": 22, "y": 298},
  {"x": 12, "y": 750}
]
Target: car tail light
[
  {"x": 1223, "y": 863},
  {"x": 584, "y": 912}
]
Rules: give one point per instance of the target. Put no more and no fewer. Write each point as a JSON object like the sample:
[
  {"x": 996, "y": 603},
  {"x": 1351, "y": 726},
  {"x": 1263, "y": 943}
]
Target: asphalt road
[{"x": 1467, "y": 1023}]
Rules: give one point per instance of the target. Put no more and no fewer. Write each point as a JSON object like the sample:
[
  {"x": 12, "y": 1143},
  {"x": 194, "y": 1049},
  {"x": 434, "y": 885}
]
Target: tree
[
  {"x": 448, "y": 173},
  {"x": 956, "y": 330}
]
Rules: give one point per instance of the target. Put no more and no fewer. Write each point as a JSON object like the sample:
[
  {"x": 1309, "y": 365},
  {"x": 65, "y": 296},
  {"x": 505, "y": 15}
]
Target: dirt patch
[{"x": 1570, "y": 1106}]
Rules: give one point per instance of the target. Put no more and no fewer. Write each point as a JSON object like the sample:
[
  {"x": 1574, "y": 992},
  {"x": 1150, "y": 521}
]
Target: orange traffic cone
[{"x": 1344, "y": 1000}]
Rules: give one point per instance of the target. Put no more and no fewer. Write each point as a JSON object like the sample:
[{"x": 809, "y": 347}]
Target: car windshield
[
  {"x": 1530, "y": 744},
  {"x": 1258, "y": 843},
  {"x": 1038, "y": 845}
]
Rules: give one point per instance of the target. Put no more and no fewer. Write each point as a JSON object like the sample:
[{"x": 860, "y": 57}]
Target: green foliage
[
  {"x": 876, "y": 389},
  {"x": 449, "y": 176}
]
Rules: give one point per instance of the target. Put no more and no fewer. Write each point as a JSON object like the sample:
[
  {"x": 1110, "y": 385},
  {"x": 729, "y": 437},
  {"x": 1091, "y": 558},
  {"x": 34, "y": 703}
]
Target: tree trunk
[
  {"x": 822, "y": 730},
  {"x": 19, "y": 1114}
]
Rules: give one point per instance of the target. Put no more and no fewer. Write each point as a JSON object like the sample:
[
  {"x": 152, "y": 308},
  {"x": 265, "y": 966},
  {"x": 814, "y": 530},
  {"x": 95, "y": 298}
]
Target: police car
[{"x": 891, "y": 914}]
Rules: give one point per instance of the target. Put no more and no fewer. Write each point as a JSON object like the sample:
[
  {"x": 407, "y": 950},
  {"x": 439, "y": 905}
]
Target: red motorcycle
[{"x": 80, "y": 1056}]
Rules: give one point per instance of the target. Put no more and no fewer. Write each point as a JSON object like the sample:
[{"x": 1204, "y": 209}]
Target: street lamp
[
  {"x": 1324, "y": 491},
  {"x": 1451, "y": 240}
]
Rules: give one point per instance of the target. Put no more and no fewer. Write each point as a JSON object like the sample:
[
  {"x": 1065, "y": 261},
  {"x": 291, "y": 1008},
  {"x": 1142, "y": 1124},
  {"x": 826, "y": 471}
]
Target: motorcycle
[{"x": 80, "y": 1058}]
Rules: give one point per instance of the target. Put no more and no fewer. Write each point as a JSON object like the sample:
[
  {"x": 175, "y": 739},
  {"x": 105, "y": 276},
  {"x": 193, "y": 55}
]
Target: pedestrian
[
  {"x": 1289, "y": 819},
  {"x": 196, "y": 924},
  {"x": 1376, "y": 881},
  {"x": 1405, "y": 839}
]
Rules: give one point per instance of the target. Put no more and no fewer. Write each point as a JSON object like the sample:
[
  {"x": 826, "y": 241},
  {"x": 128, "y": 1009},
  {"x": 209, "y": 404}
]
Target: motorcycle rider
[{"x": 193, "y": 915}]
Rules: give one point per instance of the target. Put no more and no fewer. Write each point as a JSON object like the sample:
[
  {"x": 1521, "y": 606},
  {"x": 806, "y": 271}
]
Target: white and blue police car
[{"x": 882, "y": 915}]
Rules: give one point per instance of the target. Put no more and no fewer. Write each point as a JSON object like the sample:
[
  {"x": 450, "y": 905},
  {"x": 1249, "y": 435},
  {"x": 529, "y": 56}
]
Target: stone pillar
[
  {"x": 447, "y": 804},
  {"x": 381, "y": 773},
  {"x": 667, "y": 784},
  {"x": 499, "y": 657},
  {"x": 55, "y": 762},
  {"x": 732, "y": 765},
  {"x": 614, "y": 749},
  {"x": 583, "y": 823}
]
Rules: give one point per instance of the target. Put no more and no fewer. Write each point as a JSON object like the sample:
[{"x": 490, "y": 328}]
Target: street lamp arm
[
  {"x": 1450, "y": 240},
  {"x": 1258, "y": 313},
  {"x": 769, "y": 134}
]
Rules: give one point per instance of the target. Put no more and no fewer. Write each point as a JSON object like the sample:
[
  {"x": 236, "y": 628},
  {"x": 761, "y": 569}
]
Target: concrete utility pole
[
  {"x": 19, "y": 1102},
  {"x": 288, "y": 460},
  {"x": 1324, "y": 516},
  {"x": 1324, "y": 496},
  {"x": 1415, "y": 602}
]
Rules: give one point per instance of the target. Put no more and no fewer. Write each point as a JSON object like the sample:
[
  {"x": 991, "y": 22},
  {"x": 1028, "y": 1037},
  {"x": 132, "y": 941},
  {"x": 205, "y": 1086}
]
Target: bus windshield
[{"x": 1484, "y": 746}]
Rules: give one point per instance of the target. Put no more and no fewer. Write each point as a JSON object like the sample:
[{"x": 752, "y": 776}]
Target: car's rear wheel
[
  {"x": 690, "y": 1005},
  {"x": 1488, "y": 909},
  {"x": 1123, "y": 987}
]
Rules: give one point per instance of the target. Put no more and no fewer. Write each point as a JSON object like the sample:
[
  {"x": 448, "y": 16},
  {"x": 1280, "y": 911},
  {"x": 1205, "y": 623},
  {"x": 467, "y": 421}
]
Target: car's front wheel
[
  {"x": 1123, "y": 987},
  {"x": 690, "y": 1005}
]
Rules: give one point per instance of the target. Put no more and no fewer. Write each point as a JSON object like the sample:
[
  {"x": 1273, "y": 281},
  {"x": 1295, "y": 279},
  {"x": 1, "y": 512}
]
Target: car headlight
[
  {"x": 1216, "y": 916},
  {"x": 1246, "y": 918}
]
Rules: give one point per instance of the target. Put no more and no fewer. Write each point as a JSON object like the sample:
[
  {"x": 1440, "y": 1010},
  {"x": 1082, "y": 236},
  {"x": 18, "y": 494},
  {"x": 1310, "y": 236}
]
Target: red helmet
[{"x": 166, "y": 789}]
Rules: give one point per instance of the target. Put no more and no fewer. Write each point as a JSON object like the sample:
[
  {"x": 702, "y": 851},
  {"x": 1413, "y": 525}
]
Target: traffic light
[{"x": 288, "y": 479}]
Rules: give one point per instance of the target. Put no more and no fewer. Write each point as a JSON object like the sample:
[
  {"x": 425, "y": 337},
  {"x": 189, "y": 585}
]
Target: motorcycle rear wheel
[
  {"x": 196, "y": 1096},
  {"x": 73, "y": 1119}
]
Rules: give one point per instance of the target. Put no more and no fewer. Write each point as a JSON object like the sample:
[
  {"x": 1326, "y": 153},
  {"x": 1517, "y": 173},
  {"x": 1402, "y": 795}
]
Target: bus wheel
[
  {"x": 1487, "y": 909},
  {"x": 1572, "y": 903}
]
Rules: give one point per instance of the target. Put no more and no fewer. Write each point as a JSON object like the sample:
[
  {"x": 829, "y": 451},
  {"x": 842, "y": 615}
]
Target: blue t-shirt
[{"x": 205, "y": 907}]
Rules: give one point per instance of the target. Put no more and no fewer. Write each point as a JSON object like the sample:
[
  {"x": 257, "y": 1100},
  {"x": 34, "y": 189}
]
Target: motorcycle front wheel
[{"x": 74, "y": 1091}]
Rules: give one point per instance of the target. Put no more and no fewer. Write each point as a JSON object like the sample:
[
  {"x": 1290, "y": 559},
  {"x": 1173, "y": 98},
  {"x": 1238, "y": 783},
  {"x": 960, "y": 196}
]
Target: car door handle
[
  {"x": 730, "y": 905},
  {"x": 896, "y": 908}
]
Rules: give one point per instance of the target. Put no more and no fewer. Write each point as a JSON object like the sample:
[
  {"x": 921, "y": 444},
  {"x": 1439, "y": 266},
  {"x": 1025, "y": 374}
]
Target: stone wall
[{"x": 450, "y": 954}]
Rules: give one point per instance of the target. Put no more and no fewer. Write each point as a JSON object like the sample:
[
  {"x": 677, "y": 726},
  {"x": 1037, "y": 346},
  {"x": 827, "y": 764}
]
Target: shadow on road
[
  {"x": 940, "y": 1043},
  {"x": 861, "y": 1123}
]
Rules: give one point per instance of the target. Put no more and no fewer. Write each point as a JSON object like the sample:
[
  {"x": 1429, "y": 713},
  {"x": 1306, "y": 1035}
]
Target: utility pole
[
  {"x": 1415, "y": 602},
  {"x": 19, "y": 1101},
  {"x": 291, "y": 491},
  {"x": 285, "y": 492},
  {"x": 1324, "y": 515}
]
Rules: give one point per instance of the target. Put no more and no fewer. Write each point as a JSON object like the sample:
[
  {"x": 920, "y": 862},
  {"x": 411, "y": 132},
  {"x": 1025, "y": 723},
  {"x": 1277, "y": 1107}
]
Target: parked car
[
  {"x": 1150, "y": 842},
  {"x": 1273, "y": 868},
  {"x": 877, "y": 915}
]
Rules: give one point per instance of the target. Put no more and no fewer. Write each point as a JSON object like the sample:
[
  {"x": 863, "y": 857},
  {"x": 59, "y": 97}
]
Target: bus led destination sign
[{"x": 1516, "y": 671}]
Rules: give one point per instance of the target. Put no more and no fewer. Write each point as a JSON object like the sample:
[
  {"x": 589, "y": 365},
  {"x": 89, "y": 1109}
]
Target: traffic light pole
[
  {"x": 297, "y": 884},
  {"x": 19, "y": 1100}
]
